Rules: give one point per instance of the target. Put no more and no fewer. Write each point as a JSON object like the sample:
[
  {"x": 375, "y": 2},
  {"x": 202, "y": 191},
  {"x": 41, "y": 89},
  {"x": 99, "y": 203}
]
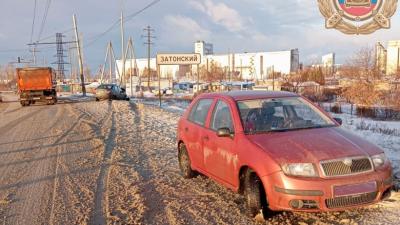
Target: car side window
[
  {"x": 222, "y": 117},
  {"x": 199, "y": 112}
]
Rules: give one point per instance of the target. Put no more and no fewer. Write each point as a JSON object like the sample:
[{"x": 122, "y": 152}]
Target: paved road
[{"x": 115, "y": 163}]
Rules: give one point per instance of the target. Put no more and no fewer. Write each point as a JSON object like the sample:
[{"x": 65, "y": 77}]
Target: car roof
[{"x": 248, "y": 95}]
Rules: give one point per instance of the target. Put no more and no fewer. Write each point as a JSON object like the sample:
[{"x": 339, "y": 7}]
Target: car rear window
[{"x": 199, "y": 112}]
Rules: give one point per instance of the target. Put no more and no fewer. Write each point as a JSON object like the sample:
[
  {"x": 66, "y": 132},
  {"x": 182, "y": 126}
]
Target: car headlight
[
  {"x": 300, "y": 169},
  {"x": 379, "y": 160}
]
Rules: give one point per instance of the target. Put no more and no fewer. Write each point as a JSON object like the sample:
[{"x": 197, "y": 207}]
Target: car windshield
[
  {"x": 105, "y": 86},
  {"x": 281, "y": 114}
]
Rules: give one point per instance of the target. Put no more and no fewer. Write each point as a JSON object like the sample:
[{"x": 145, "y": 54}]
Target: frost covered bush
[{"x": 377, "y": 128}]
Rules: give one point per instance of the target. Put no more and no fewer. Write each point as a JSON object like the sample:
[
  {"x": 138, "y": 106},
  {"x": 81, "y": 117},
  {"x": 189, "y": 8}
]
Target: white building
[
  {"x": 248, "y": 66},
  {"x": 381, "y": 57},
  {"x": 393, "y": 57},
  {"x": 388, "y": 60}
]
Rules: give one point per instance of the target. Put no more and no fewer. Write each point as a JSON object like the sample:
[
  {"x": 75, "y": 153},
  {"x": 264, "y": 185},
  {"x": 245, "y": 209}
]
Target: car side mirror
[
  {"x": 338, "y": 120},
  {"x": 224, "y": 132}
]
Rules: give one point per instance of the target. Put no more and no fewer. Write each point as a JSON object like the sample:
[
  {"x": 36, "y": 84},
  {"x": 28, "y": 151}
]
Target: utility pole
[
  {"x": 34, "y": 54},
  {"x": 149, "y": 43},
  {"x": 130, "y": 54},
  {"x": 78, "y": 46},
  {"x": 229, "y": 64},
  {"x": 109, "y": 49},
  {"x": 122, "y": 78},
  {"x": 241, "y": 69},
  {"x": 273, "y": 78},
  {"x": 110, "y": 57}
]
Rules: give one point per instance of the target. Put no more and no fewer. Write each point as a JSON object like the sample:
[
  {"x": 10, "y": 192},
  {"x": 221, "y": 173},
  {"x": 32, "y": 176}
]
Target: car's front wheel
[
  {"x": 184, "y": 162},
  {"x": 254, "y": 193}
]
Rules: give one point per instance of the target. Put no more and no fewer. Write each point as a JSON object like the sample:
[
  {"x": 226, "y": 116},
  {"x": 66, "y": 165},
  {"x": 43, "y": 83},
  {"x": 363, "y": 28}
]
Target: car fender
[{"x": 257, "y": 160}]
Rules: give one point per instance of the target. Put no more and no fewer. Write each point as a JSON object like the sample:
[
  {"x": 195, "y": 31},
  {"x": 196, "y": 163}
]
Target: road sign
[{"x": 178, "y": 59}]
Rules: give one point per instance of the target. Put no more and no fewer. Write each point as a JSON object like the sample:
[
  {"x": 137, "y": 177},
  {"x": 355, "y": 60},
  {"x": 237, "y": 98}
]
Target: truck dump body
[
  {"x": 33, "y": 79},
  {"x": 36, "y": 84}
]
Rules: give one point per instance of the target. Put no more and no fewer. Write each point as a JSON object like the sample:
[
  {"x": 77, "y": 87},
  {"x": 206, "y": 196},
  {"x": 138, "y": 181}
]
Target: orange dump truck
[{"x": 37, "y": 84}]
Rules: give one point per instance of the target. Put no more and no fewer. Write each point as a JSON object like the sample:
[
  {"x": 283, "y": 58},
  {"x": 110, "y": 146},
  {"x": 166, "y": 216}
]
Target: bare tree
[
  {"x": 362, "y": 65},
  {"x": 362, "y": 94}
]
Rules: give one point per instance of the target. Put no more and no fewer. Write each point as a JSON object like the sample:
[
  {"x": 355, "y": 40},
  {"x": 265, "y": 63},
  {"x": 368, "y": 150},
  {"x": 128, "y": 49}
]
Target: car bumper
[{"x": 286, "y": 193}]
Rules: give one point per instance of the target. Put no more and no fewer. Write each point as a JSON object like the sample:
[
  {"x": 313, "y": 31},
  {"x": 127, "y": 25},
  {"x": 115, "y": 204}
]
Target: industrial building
[
  {"x": 388, "y": 59},
  {"x": 247, "y": 66}
]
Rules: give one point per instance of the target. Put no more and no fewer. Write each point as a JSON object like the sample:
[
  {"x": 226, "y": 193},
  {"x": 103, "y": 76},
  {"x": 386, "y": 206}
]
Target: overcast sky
[{"x": 235, "y": 25}]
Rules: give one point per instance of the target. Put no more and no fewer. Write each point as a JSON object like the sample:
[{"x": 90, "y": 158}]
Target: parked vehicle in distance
[
  {"x": 281, "y": 151},
  {"x": 110, "y": 92},
  {"x": 37, "y": 84}
]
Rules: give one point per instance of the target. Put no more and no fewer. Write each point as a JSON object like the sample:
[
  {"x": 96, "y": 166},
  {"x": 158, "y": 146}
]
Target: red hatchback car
[{"x": 281, "y": 151}]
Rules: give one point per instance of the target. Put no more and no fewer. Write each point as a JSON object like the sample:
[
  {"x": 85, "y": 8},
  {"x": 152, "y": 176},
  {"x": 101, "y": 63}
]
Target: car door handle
[
  {"x": 206, "y": 138},
  {"x": 186, "y": 129}
]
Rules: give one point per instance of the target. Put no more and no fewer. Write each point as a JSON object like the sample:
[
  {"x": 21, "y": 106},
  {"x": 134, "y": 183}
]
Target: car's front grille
[
  {"x": 348, "y": 166},
  {"x": 352, "y": 200}
]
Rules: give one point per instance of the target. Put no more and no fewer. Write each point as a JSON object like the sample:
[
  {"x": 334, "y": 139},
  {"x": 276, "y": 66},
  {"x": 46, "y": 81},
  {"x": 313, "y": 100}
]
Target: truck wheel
[
  {"x": 184, "y": 162},
  {"x": 23, "y": 103},
  {"x": 253, "y": 193}
]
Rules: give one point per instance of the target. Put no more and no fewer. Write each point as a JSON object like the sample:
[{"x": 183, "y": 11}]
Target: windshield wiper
[
  {"x": 287, "y": 130},
  {"x": 311, "y": 127}
]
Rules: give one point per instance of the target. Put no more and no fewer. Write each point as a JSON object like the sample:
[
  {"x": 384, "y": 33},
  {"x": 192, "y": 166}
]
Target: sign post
[
  {"x": 159, "y": 83},
  {"x": 176, "y": 59}
]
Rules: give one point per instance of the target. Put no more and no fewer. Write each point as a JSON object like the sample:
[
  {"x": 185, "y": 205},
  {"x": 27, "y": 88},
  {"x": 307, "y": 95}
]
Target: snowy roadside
[{"x": 75, "y": 97}]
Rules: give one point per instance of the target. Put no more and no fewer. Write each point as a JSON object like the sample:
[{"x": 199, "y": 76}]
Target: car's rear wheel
[
  {"x": 254, "y": 194},
  {"x": 184, "y": 162}
]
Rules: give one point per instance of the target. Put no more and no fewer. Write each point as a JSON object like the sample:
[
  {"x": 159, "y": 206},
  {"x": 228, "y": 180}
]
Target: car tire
[
  {"x": 253, "y": 193},
  {"x": 185, "y": 163},
  {"x": 97, "y": 99}
]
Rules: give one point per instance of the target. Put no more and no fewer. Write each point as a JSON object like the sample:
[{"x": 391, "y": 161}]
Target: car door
[
  {"x": 194, "y": 129},
  {"x": 119, "y": 93},
  {"x": 220, "y": 159}
]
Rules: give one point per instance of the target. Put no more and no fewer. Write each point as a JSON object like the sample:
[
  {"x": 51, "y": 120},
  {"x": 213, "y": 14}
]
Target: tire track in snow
[{"x": 101, "y": 207}]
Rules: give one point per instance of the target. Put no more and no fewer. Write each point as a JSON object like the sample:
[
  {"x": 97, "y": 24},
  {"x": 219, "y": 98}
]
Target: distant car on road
[
  {"x": 110, "y": 92},
  {"x": 281, "y": 151}
]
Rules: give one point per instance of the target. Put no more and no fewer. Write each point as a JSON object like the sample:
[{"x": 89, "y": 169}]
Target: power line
[
  {"x": 21, "y": 50},
  {"x": 44, "y": 18},
  {"x": 142, "y": 10},
  {"x": 127, "y": 18},
  {"x": 33, "y": 21},
  {"x": 52, "y": 35}
]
